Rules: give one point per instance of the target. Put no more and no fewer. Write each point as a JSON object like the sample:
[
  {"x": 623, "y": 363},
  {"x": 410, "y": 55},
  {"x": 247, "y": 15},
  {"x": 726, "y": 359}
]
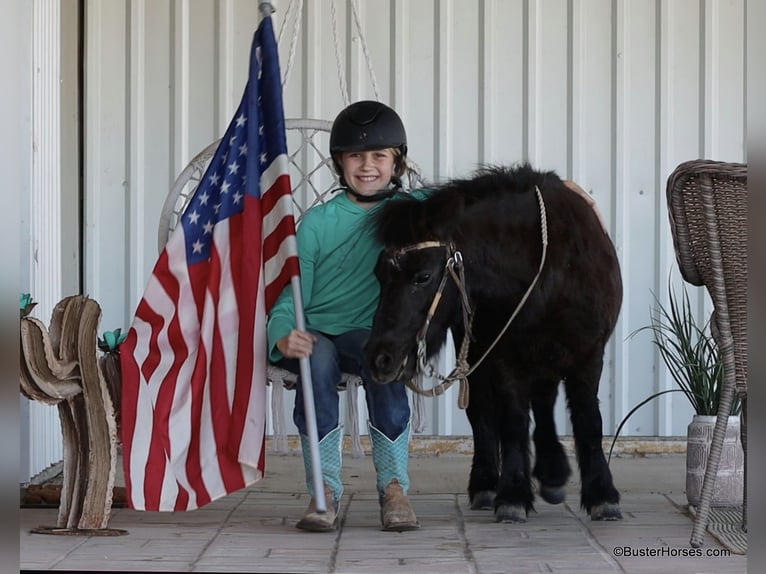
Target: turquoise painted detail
[
  {"x": 390, "y": 458},
  {"x": 331, "y": 459}
]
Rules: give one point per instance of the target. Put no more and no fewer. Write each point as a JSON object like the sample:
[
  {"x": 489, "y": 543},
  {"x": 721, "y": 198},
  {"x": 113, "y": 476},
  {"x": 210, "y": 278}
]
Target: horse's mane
[{"x": 407, "y": 220}]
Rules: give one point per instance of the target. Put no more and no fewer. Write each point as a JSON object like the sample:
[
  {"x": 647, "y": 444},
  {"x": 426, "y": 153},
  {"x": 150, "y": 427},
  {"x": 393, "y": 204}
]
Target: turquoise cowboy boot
[
  {"x": 330, "y": 457},
  {"x": 390, "y": 458}
]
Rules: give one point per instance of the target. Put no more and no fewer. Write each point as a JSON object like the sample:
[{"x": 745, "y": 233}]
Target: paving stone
[{"x": 254, "y": 530}]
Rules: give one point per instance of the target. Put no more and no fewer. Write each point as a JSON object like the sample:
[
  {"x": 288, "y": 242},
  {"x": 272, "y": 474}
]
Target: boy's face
[{"x": 367, "y": 172}]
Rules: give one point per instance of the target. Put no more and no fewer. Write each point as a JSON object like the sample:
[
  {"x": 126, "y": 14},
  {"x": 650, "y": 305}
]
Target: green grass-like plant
[{"x": 691, "y": 355}]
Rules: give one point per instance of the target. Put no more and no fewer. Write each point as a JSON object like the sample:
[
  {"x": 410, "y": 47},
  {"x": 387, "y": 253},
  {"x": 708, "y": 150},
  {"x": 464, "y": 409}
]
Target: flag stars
[{"x": 223, "y": 189}]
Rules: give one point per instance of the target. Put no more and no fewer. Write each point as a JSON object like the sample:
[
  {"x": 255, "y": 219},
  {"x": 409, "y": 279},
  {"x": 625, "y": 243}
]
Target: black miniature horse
[{"x": 494, "y": 221}]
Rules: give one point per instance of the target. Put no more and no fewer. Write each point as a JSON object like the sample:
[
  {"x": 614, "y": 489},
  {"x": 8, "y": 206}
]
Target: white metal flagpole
[
  {"x": 267, "y": 8},
  {"x": 308, "y": 403}
]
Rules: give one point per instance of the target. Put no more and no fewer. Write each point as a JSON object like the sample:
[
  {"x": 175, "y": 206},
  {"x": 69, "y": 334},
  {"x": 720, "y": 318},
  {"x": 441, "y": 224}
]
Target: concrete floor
[{"x": 253, "y": 530}]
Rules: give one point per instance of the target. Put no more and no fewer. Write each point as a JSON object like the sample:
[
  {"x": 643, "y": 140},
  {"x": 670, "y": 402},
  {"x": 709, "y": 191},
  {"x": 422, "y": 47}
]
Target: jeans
[{"x": 387, "y": 405}]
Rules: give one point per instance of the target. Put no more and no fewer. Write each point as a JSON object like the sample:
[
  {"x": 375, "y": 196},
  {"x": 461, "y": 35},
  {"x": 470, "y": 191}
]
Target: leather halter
[
  {"x": 393, "y": 258},
  {"x": 455, "y": 261},
  {"x": 453, "y": 267}
]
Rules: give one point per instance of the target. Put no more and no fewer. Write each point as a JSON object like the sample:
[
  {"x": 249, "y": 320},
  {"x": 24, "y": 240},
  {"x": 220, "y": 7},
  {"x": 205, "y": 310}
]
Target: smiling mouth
[{"x": 368, "y": 178}]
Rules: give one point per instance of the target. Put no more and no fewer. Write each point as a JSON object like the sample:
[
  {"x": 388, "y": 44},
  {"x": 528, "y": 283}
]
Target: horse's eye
[{"x": 421, "y": 278}]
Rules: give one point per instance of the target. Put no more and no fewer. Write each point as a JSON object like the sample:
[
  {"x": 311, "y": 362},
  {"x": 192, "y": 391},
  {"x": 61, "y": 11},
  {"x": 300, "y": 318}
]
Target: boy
[{"x": 338, "y": 252}]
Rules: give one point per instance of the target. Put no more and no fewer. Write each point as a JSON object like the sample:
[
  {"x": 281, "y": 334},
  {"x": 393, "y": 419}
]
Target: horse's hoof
[
  {"x": 606, "y": 511},
  {"x": 510, "y": 513},
  {"x": 483, "y": 500},
  {"x": 553, "y": 494}
]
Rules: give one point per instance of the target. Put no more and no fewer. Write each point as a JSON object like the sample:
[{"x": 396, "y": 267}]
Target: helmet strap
[{"x": 381, "y": 195}]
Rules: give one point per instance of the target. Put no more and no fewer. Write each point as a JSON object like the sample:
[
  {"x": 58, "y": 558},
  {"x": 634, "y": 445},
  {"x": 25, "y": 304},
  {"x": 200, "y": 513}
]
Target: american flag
[{"x": 194, "y": 362}]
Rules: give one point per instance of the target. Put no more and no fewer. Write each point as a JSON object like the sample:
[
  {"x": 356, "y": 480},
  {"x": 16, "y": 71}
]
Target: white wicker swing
[{"x": 313, "y": 181}]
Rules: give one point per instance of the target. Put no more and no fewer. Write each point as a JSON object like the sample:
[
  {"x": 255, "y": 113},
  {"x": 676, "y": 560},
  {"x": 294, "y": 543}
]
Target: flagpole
[
  {"x": 308, "y": 403},
  {"x": 267, "y": 9}
]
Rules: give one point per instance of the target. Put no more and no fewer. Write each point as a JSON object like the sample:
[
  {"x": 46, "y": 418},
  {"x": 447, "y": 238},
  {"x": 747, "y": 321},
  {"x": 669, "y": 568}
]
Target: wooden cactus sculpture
[{"x": 59, "y": 366}]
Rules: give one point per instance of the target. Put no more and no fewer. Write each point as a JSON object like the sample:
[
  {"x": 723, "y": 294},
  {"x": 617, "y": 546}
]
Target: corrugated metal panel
[
  {"x": 610, "y": 93},
  {"x": 45, "y": 257}
]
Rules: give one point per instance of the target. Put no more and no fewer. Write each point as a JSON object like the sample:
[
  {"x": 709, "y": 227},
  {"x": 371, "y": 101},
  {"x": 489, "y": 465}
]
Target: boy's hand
[
  {"x": 297, "y": 344},
  {"x": 587, "y": 197}
]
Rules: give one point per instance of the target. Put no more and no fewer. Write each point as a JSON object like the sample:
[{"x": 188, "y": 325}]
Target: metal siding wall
[
  {"x": 45, "y": 249},
  {"x": 591, "y": 142},
  {"x": 113, "y": 268},
  {"x": 679, "y": 140},
  {"x": 610, "y": 93},
  {"x": 52, "y": 208},
  {"x": 639, "y": 217}
]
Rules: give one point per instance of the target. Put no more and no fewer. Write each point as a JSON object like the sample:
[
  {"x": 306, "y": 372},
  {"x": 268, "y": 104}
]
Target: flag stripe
[
  {"x": 248, "y": 282},
  {"x": 129, "y": 394},
  {"x": 194, "y": 362}
]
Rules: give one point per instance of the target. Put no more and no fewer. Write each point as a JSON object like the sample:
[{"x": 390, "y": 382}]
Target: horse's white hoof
[
  {"x": 483, "y": 500},
  {"x": 606, "y": 511},
  {"x": 510, "y": 513}
]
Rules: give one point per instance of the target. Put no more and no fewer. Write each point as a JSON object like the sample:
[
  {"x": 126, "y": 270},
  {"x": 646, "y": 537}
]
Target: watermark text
[{"x": 668, "y": 552}]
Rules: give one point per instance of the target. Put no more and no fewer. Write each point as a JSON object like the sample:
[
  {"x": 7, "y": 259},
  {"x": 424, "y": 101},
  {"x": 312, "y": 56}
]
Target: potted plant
[{"x": 691, "y": 355}]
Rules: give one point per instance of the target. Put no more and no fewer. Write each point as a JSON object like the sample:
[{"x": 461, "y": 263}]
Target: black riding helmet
[{"x": 367, "y": 125}]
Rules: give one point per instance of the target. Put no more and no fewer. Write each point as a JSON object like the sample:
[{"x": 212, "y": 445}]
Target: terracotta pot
[{"x": 729, "y": 484}]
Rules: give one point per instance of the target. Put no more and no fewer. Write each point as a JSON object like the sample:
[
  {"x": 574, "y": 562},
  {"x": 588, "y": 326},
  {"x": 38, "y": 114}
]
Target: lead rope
[
  {"x": 461, "y": 372},
  {"x": 544, "y": 233}
]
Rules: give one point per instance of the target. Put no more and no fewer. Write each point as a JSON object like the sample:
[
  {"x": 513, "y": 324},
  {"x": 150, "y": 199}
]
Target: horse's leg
[
  {"x": 598, "y": 494},
  {"x": 551, "y": 464},
  {"x": 482, "y": 483},
  {"x": 514, "y": 491}
]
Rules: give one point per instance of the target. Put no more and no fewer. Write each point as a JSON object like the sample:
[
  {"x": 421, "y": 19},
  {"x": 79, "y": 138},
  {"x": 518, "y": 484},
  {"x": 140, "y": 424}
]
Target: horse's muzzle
[{"x": 385, "y": 368}]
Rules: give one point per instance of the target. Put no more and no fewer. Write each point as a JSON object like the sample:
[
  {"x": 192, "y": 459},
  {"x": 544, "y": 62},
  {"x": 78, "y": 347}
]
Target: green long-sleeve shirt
[{"x": 337, "y": 253}]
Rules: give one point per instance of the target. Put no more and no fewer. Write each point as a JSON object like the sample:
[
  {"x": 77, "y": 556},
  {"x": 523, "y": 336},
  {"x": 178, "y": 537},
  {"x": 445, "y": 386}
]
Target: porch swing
[{"x": 313, "y": 181}]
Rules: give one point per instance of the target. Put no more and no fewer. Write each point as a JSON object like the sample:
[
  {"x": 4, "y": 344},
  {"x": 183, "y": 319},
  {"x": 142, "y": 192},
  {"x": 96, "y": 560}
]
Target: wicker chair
[
  {"x": 707, "y": 205},
  {"x": 313, "y": 181}
]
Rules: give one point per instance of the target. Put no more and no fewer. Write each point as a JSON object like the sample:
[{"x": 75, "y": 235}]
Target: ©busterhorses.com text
[{"x": 668, "y": 552}]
